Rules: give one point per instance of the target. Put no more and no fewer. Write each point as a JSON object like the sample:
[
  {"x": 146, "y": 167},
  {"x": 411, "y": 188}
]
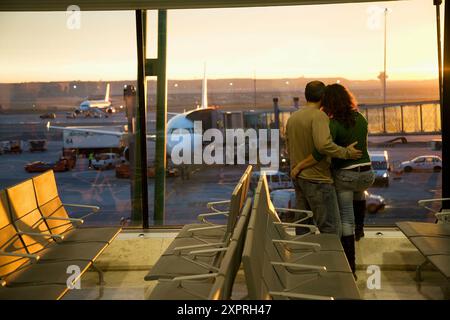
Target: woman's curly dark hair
[{"x": 340, "y": 104}]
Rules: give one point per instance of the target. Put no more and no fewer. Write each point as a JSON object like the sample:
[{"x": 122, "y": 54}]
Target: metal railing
[{"x": 405, "y": 118}]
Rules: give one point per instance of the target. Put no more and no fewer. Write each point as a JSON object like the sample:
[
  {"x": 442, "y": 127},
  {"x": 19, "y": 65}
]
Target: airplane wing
[{"x": 97, "y": 131}]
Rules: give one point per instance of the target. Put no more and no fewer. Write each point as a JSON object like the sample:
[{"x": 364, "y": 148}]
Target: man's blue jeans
[
  {"x": 321, "y": 199},
  {"x": 350, "y": 185}
]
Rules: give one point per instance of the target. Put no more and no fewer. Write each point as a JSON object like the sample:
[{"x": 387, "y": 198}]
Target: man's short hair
[{"x": 314, "y": 91}]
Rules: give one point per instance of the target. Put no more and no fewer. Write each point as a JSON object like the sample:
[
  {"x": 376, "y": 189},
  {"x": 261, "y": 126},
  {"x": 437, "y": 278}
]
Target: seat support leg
[
  {"x": 101, "y": 278},
  {"x": 419, "y": 277}
]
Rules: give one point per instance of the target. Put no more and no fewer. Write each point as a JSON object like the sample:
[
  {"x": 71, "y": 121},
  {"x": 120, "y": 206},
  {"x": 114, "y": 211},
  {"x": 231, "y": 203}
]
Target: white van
[
  {"x": 381, "y": 167},
  {"x": 275, "y": 179},
  {"x": 105, "y": 161}
]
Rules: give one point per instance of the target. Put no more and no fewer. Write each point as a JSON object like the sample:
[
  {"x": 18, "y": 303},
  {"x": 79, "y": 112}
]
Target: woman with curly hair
[{"x": 351, "y": 177}]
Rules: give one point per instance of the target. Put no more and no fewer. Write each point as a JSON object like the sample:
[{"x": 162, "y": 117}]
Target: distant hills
[{"x": 229, "y": 93}]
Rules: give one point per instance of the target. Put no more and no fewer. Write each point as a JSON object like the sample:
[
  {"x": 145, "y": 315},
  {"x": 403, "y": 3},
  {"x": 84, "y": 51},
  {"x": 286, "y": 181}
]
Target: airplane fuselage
[{"x": 86, "y": 105}]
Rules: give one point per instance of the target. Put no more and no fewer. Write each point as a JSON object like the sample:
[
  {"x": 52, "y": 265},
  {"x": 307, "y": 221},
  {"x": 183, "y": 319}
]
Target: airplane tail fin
[
  {"x": 204, "y": 90},
  {"x": 107, "y": 93}
]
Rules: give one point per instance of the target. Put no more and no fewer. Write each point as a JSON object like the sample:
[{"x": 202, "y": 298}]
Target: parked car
[
  {"x": 39, "y": 166},
  {"x": 123, "y": 171},
  {"x": 285, "y": 198},
  {"x": 381, "y": 167},
  {"x": 104, "y": 161},
  {"x": 430, "y": 162},
  {"x": 49, "y": 115},
  {"x": 275, "y": 179},
  {"x": 374, "y": 203}
]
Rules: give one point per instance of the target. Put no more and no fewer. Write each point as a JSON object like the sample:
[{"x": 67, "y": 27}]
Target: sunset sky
[{"x": 344, "y": 40}]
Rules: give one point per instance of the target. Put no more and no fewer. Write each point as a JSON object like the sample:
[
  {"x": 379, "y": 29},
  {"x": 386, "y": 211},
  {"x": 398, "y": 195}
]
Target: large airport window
[{"x": 250, "y": 74}]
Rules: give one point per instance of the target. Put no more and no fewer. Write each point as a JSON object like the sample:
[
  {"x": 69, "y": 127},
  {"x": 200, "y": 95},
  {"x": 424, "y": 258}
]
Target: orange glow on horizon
[{"x": 268, "y": 43}]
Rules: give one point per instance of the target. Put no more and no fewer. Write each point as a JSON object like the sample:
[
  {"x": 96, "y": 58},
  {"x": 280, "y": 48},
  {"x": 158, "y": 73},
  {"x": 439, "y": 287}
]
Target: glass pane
[{"x": 248, "y": 66}]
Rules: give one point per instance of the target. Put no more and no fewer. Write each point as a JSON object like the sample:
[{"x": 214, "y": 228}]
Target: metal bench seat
[
  {"x": 215, "y": 286},
  {"x": 424, "y": 229},
  {"x": 183, "y": 289},
  {"x": 71, "y": 251},
  {"x": 442, "y": 263},
  {"x": 54, "y": 273},
  {"x": 57, "y": 219},
  {"x": 270, "y": 271},
  {"x": 430, "y": 246},
  {"x": 35, "y": 261},
  {"x": 431, "y": 239},
  {"x": 211, "y": 231},
  {"x": 92, "y": 234},
  {"x": 197, "y": 254},
  {"x": 37, "y": 292}
]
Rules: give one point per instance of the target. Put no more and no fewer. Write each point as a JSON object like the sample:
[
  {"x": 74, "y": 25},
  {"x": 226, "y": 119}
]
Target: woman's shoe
[
  {"x": 348, "y": 243},
  {"x": 359, "y": 209},
  {"x": 359, "y": 233}
]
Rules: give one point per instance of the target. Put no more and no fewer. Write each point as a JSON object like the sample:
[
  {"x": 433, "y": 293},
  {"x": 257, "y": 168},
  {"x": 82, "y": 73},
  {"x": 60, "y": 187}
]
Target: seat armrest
[
  {"x": 314, "y": 246},
  {"x": 195, "y": 252},
  {"x": 218, "y": 226},
  {"x": 312, "y": 228},
  {"x": 299, "y": 295},
  {"x": 308, "y": 213},
  {"x": 196, "y": 277},
  {"x": 210, "y": 205},
  {"x": 202, "y": 217},
  {"x": 424, "y": 202},
  {"x": 299, "y": 266},
  {"x": 198, "y": 246},
  {"x": 20, "y": 255},
  {"x": 85, "y": 206},
  {"x": 95, "y": 209},
  {"x": 37, "y": 234},
  {"x": 80, "y": 221}
]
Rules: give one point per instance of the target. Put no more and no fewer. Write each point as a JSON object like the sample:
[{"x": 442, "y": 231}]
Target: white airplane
[
  {"x": 103, "y": 105},
  {"x": 180, "y": 128}
]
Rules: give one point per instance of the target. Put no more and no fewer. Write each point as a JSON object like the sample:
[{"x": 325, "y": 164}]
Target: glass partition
[{"x": 75, "y": 78}]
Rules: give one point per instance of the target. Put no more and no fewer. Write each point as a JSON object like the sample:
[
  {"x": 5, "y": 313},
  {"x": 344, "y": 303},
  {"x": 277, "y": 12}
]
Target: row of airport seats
[
  {"x": 278, "y": 265},
  {"x": 202, "y": 250},
  {"x": 40, "y": 245},
  {"x": 204, "y": 259},
  {"x": 431, "y": 239}
]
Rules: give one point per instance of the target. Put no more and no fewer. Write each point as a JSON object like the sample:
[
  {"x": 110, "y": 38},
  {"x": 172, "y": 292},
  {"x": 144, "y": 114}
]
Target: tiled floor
[
  {"x": 119, "y": 285},
  {"x": 400, "y": 285},
  {"x": 395, "y": 285},
  {"x": 131, "y": 255}
]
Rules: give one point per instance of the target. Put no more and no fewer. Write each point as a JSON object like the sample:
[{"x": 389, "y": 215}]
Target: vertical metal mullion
[
  {"x": 161, "y": 119},
  {"x": 141, "y": 121},
  {"x": 445, "y": 121}
]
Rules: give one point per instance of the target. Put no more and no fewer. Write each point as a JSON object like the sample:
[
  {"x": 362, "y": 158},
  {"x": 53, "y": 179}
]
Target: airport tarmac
[
  {"x": 185, "y": 199},
  {"x": 30, "y": 126}
]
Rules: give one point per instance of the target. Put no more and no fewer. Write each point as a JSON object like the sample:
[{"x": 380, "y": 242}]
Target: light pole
[
  {"x": 383, "y": 75},
  {"x": 385, "y": 50},
  {"x": 254, "y": 88}
]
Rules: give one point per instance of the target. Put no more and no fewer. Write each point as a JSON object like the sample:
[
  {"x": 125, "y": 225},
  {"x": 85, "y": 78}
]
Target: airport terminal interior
[{"x": 151, "y": 162}]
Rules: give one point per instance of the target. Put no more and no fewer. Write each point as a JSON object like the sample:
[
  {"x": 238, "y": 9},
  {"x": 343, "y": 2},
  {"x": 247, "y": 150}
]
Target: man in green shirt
[{"x": 308, "y": 130}]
